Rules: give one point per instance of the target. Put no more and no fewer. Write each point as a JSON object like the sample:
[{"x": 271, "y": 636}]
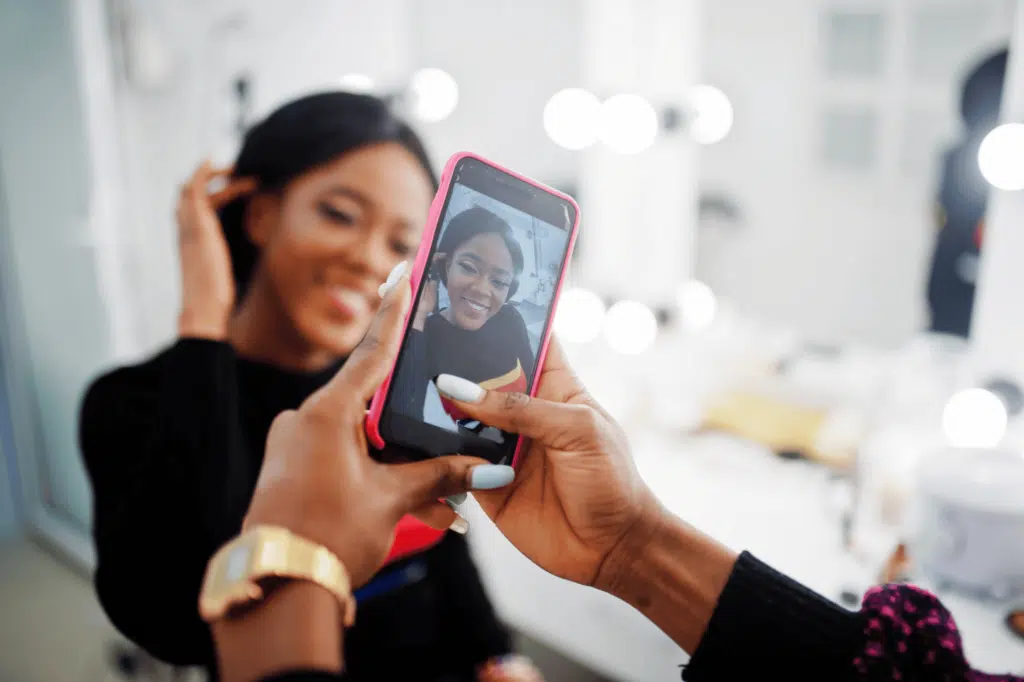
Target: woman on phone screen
[
  {"x": 279, "y": 273},
  {"x": 479, "y": 335}
]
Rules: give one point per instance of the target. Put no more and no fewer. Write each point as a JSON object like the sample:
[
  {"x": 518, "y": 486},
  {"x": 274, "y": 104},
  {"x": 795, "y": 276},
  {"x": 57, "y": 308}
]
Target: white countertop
[{"x": 776, "y": 509}]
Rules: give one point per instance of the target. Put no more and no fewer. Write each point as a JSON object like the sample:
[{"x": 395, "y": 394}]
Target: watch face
[{"x": 237, "y": 562}]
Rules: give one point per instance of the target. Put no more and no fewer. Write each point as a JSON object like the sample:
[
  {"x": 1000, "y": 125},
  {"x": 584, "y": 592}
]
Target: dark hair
[
  {"x": 476, "y": 221},
  {"x": 981, "y": 96},
  {"x": 298, "y": 137}
]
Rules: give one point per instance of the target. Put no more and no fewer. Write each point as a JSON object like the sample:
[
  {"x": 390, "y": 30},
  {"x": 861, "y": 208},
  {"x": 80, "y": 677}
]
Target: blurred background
[{"x": 797, "y": 281}]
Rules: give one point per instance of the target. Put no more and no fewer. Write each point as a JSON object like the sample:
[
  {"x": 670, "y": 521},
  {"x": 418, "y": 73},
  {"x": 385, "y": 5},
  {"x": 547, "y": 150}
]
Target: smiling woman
[
  {"x": 479, "y": 335},
  {"x": 326, "y": 227},
  {"x": 326, "y": 241},
  {"x": 280, "y": 271}
]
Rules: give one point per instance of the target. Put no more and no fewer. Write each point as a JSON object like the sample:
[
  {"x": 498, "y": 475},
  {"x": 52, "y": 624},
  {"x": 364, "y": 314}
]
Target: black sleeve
[
  {"x": 409, "y": 390},
  {"x": 163, "y": 450},
  {"x": 472, "y": 631},
  {"x": 766, "y": 625}
]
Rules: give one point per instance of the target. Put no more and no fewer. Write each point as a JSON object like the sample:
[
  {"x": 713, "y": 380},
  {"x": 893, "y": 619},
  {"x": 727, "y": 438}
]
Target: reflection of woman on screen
[{"x": 479, "y": 336}]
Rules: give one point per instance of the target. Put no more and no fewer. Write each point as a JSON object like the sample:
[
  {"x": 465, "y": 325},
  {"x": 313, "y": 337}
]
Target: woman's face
[
  {"x": 333, "y": 235},
  {"x": 479, "y": 275}
]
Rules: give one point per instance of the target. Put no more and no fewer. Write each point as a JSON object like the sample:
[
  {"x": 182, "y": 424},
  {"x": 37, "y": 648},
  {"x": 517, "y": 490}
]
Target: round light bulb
[
  {"x": 974, "y": 418},
  {"x": 698, "y": 305},
  {"x": 570, "y": 118},
  {"x": 630, "y": 327},
  {"x": 435, "y": 94},
  {"x": 356, "y": 82},
  {"x": 712, "y": 114},
  {"x": 1001, "y": 157},
  {"x": 580, "y": 316},
  {"x": 627, "y": 123}
]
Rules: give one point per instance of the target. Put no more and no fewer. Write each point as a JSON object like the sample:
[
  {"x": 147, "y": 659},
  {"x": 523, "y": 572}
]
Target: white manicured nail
[
  {"x": 459, "y": 525},
  {"x": 393, "y": 277},
  {"x": 459, "y": 389},
  {"x": 491, "y": 476}
]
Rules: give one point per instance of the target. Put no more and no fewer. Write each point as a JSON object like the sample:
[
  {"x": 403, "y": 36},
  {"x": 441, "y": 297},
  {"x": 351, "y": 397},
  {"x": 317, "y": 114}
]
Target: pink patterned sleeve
[{"x": 909, "y": 635}]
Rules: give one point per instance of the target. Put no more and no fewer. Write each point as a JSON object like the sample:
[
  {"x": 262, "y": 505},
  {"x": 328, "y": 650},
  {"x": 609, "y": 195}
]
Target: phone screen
[{"x": 481, "y": 312}]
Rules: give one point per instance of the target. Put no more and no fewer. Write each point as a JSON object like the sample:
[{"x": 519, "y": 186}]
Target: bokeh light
[
  {"x": 1001, "y": 157},
  {"x": 435, "y": 94},
  {"x": 974, "y": 418},
  {"x": 712, "y": 114},
  {"x": 570, "y": 118},
  {"x": 698, "y": 305},
  {"x": 627, "y": 123},
  {"x": 580, "y": 316},
  {"x": 630, "y": 327}
]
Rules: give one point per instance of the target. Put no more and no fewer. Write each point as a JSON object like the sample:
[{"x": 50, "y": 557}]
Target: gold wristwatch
[{"x": 242, "y": 570}]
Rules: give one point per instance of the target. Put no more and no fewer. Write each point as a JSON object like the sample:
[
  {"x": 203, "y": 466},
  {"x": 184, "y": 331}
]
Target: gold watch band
[{"x": 263, "y": 552}]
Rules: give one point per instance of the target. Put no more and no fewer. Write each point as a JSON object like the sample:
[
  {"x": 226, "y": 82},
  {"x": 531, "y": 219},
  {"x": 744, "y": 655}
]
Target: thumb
[
  {"x": 420, "y": 483},
  {"x": 535, "y": 418},
  {"x": 374, "y": 357}
]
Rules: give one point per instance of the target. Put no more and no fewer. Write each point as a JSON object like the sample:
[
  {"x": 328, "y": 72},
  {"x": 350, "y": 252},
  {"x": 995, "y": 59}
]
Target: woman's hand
[
  {"x": 207, "y": 283},
  {"x": 578, "y": 507},
  {"x": 318, "y": 479},
  {"x": 428, "y": 296}
]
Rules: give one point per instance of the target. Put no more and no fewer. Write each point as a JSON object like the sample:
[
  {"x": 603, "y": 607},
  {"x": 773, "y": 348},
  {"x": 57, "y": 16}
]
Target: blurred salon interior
[{"x": 797, "y": 283}]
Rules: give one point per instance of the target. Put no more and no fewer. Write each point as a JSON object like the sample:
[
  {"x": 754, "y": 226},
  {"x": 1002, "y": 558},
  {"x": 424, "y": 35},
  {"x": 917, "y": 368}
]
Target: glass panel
[
  {"x": 9, "y": 493},
  {"x": 853, "y": 44},
  {"x": 55, "y": 325}
]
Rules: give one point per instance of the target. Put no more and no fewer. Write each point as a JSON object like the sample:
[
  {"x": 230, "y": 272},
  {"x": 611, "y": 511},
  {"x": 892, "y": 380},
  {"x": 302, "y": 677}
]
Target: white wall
[
  {"x": 997, "y": 331},
  {"x": 839, "y": 256},
  {"x": 509, "y": 57},
  {"x": 58, "y": 323}
]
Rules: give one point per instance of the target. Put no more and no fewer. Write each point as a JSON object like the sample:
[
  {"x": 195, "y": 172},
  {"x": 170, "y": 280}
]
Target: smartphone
[{"x": 486, "y": 281}]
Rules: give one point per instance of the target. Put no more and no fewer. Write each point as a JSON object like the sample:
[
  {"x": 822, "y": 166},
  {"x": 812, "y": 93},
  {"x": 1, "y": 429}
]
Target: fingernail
[
  {"x": 491, "y": 476},
  {"x": 459, "y": 389},
  {"x": 459, "y": 525},
  {"x": 393, "y": 277},
  {"x": 454, "y": 501}
]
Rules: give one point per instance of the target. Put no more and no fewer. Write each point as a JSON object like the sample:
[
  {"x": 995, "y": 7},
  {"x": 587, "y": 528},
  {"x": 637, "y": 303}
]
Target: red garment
[{"x": 412, "y": 536}]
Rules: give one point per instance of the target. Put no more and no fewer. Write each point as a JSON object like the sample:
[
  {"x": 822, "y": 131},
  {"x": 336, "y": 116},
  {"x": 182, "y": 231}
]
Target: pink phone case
[{"x": 419, "y": 268}]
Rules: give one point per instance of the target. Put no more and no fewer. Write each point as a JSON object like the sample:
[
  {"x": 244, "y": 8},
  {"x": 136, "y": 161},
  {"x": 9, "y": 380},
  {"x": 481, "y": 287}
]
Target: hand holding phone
[
  {"x": 480, "y": 311},
  {"x": 428, "y": 296}
]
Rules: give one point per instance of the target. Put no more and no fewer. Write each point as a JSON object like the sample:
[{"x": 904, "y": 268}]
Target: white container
[{"x": 969, "y": 521}]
